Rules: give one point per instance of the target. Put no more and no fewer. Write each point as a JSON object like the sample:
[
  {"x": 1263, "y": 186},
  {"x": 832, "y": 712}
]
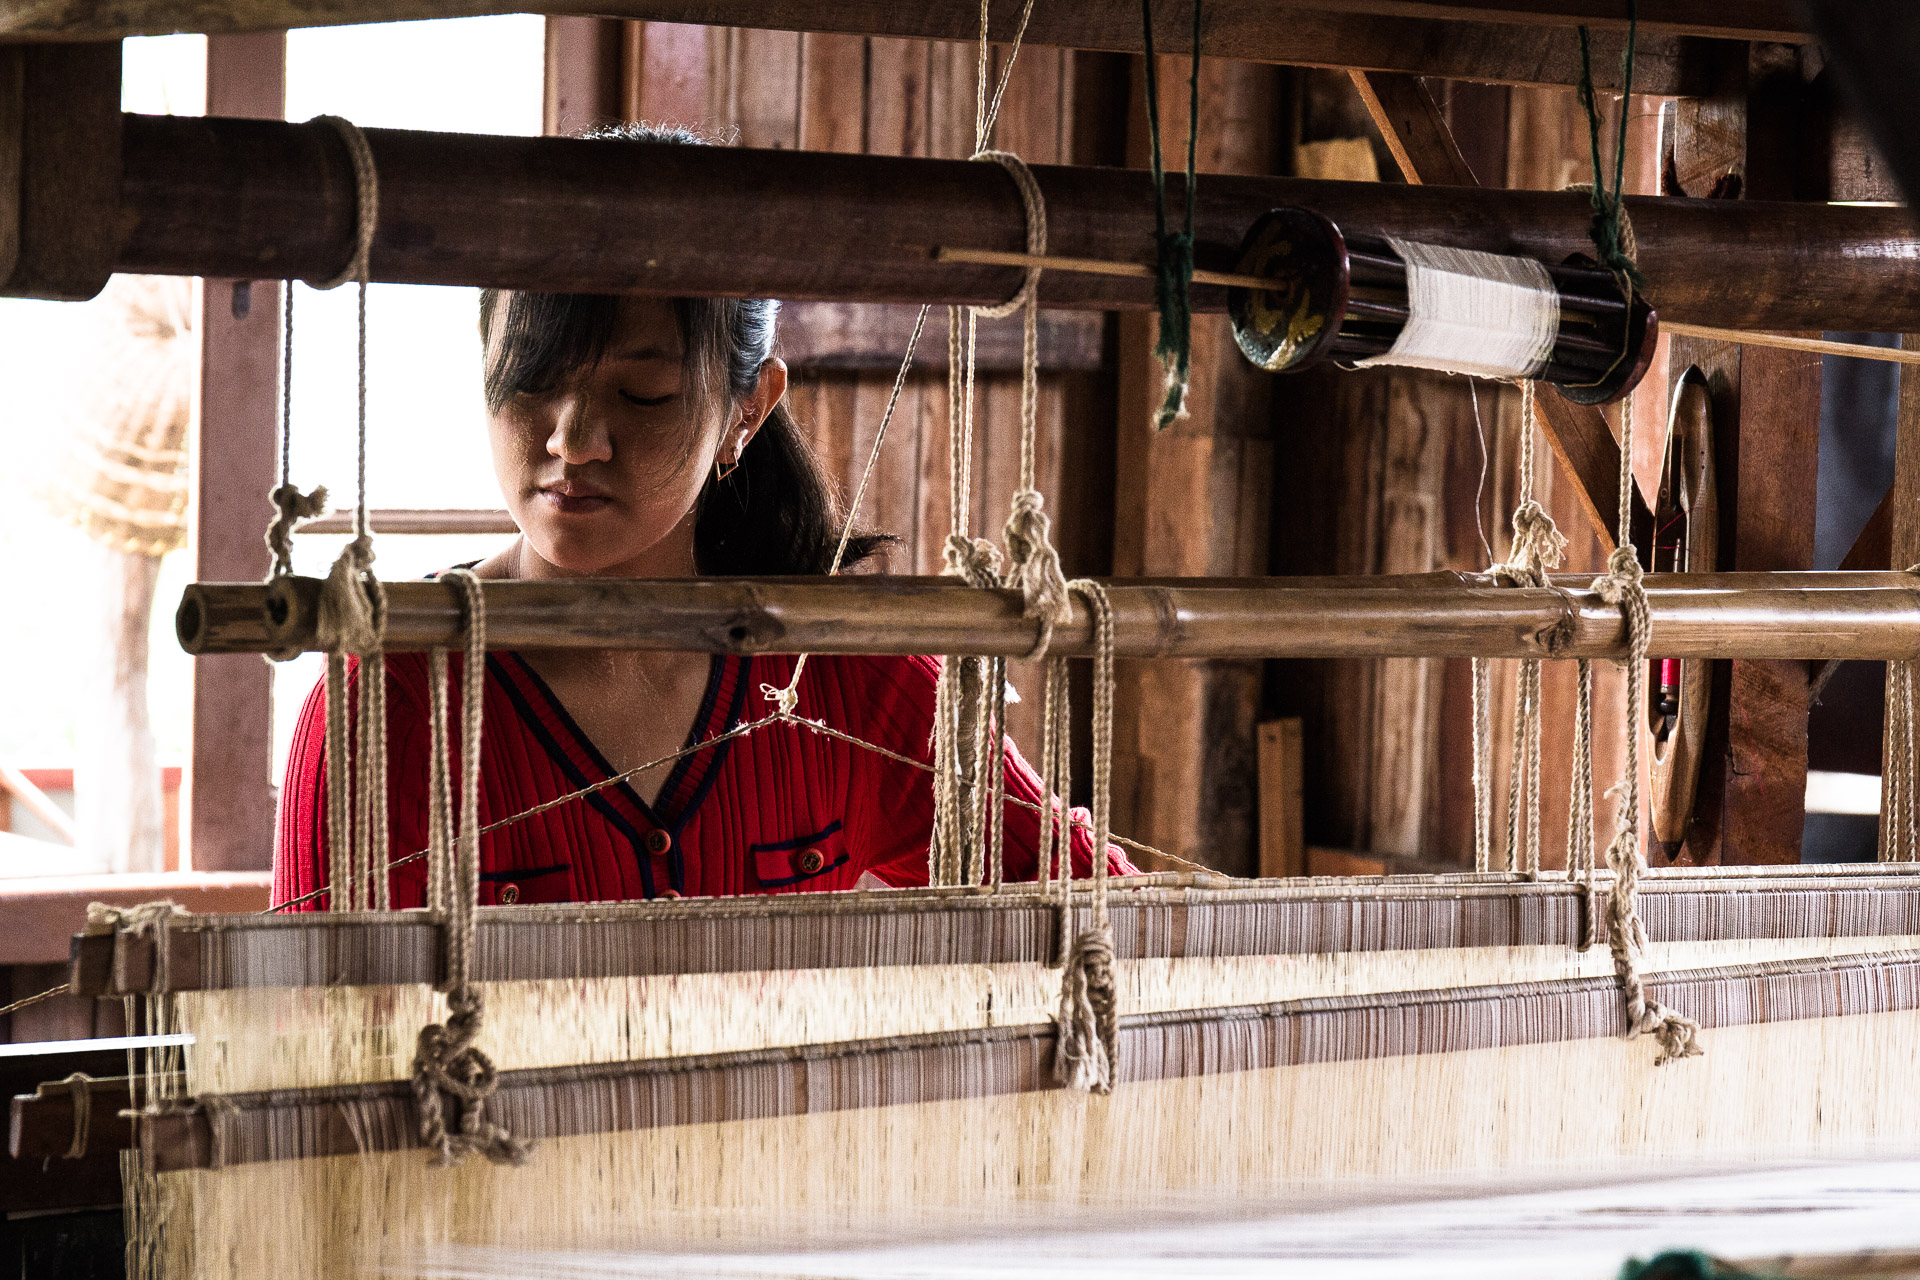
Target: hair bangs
[{"x": 542, "y": 338}]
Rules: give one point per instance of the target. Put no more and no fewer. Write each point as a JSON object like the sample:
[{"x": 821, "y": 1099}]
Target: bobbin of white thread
[{"x": 1474, "y": 313}]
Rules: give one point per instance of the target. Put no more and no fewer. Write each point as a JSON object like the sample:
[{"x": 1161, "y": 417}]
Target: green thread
[
  {"x": 1687, "y": 1264},
  {"x": 1173, "y": 251},
  {"x": 1605, "y": 227}
]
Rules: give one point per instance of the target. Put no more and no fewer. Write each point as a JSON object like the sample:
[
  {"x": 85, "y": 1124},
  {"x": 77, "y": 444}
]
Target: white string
[{"x": 1475, "y": 313}]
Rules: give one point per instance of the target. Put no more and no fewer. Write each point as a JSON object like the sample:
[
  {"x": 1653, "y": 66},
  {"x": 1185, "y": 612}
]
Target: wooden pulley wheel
[{"x": 1686, "y": 540}]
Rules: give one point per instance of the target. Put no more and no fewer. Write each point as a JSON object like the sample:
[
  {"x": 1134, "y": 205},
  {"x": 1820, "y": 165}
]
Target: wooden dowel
[
  {"x": 1781, "y": 615},
  {"x": 239, "y": 199},
  {"x": 415, "y": 520},
  {"x": 1786, "y": 342}
]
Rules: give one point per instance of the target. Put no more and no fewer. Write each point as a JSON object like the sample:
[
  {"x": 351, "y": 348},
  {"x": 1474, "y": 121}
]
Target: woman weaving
[{"x": 650, "y": 439}]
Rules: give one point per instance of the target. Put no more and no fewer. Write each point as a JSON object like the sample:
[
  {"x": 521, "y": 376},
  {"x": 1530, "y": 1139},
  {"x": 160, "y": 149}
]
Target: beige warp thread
[
  {"x": 1087, "y": 1048},
  {"x": 1899, "y": 821},
  {"x": 1537, "y": 547},
  {"x": 446, "y": 1058}
]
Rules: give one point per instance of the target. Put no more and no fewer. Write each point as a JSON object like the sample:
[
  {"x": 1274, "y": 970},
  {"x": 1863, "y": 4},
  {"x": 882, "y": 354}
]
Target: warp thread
[
  {"x": 1173, "y": 250},
  {"x": 1536, "y": 548},
  {"x": 1087, "y": 1051},
  {"x": 1899, "y": 824}
]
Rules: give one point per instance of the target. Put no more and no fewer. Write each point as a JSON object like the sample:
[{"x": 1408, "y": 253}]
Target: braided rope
[{"x": 447, "y": 1060}]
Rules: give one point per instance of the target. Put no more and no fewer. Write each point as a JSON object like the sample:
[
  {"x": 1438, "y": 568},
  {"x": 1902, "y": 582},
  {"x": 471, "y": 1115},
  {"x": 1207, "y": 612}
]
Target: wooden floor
[{"x": 1787, "y": 1219}]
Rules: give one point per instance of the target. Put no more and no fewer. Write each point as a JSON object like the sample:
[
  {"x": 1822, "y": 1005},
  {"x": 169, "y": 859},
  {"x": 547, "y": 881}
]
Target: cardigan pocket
[{"x": 781, "y": 863}]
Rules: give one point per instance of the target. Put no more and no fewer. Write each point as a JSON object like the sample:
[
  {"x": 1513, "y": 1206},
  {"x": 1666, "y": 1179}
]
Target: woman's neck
[{"x": 671, "y": 557}]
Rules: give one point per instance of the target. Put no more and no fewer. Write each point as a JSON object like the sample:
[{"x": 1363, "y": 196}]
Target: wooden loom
[{"x": 897, "y": 1055}]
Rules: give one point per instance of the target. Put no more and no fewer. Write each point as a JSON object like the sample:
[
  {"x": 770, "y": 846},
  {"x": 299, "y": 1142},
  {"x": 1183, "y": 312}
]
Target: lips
[{"x": 573, "y": 497}]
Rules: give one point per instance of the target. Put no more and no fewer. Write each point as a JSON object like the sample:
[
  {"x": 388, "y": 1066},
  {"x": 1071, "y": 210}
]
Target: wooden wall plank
[
  {"x": 227, "y": 794},
  {"x": 1188, "y": 501}
]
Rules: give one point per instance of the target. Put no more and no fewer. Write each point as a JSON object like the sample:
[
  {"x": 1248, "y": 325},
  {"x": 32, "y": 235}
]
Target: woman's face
[{"x": 602, "y": 472}]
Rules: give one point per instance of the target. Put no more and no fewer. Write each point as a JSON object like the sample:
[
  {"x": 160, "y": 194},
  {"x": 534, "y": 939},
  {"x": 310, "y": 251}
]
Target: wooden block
[
  {"x": 1282, "y": 798},
  {"x": 1341, "y": 862}
]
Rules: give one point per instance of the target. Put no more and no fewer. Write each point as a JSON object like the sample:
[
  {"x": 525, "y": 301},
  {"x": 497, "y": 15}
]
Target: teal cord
[
  {"x": 1605, "y": 227},
  {"x": 1686, "y": 1264},
  {"x": 1173, "y": 251}
]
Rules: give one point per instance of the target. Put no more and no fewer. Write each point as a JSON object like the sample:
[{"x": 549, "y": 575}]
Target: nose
[{"x": 578, "y": 436}]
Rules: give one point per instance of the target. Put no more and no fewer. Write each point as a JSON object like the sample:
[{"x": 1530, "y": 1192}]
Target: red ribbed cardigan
[{"x": 781, "y": 810}]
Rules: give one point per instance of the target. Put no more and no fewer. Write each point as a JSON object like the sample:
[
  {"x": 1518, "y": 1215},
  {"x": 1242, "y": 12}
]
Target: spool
[{"x": 1345, "y": 299}]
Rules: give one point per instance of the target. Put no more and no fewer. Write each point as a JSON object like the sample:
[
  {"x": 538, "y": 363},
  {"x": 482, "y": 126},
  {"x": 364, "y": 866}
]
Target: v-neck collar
[{"x": 680, "y": 795}]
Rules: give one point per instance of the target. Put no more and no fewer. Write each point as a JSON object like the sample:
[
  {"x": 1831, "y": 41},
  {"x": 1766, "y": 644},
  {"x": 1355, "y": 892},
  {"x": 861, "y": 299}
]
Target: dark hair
[{"x": 776, "y": 513}]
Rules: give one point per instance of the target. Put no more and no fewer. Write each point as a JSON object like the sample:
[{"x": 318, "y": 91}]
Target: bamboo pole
[
  {"x": 239, "y": 198},
  {"x": 1779, "y": 615}
]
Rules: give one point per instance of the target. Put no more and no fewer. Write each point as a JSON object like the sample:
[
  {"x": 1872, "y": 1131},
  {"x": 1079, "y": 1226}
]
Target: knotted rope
[
  {"x": 1678, "y": 1035},
  {"x": 1086, "y": 1054},
  {"x": 1173, "y": 251},
  {"x": 447, "y": 1059},
  {"x": 1899, "y": 823}
]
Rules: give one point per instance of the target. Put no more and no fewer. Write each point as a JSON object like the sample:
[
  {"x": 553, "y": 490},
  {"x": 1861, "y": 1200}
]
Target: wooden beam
[
  {"x": 223, "y": 197},
  {"x": 873, "y": 336},
  {"x": 1750, "y": 807},
  {"x": 1416, "y": 132},
  {"x": 1414, "y": 129},
  {"x": 1436, "y": 615},
  {"x": 1436, "y": 44},
  {"x": 1875, "y": 48},
  {"x": 1780, "y": 20},
  {"x": 1873, "y": 549},
  {"x": 59, "y": 165},
  {"x": 227, "y": 797},
  {"x": 583, "y": 80}
]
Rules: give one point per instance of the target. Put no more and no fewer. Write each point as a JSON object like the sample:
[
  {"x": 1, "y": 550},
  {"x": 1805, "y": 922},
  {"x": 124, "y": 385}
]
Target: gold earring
[{"x": 721, "y": 472}]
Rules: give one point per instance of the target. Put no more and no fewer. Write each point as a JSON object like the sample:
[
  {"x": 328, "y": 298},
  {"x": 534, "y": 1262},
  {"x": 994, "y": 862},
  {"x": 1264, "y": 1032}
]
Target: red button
[
  {"x": 809, "y": 861},
  {"x": 510, "y": 894},
  {"x": 658, "y": 842}
]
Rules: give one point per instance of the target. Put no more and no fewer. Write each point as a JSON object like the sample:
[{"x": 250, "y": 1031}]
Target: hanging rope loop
[
  {"x": 1035, "y": 206},
  {"x": 1173, "y": 250},
  {"x": 1087, "y": 1048},
  {"x": 447, "y": 1060},
  {"x": 366, "y": 205}
]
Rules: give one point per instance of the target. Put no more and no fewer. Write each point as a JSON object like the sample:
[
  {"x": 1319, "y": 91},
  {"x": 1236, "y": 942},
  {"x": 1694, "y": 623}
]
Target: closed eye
[{"x": 645, "y": 402}]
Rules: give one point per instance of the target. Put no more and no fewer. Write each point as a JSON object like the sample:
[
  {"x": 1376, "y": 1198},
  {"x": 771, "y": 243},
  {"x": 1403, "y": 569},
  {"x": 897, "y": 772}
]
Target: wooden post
[
  {"x": 1193, "y": 499},
  {"x": 1283, "y": 841},
  {"x": 227, "y": 798},
  {"x": 1766, "y": 403},
  {"x": 583, "y": 73}
]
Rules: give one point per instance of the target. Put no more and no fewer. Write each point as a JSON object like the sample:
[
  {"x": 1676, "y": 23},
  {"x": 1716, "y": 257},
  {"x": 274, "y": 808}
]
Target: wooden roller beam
[
  {"x": 1487, "y": 42},
  {"x": 240, "y": 198},
  {"x": 1781, "y": 615}
]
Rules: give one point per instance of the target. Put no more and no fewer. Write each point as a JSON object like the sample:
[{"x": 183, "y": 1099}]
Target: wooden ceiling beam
[
  {"x": 239, "y": 198},
  {"x": 1428, "y": 39},
  {"x": 1766, "y": 20}
]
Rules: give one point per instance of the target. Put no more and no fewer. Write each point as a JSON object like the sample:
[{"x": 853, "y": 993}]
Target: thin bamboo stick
[
  {"x": 1780, "y": 615},
  {"x": 1787, "y": 342}
]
